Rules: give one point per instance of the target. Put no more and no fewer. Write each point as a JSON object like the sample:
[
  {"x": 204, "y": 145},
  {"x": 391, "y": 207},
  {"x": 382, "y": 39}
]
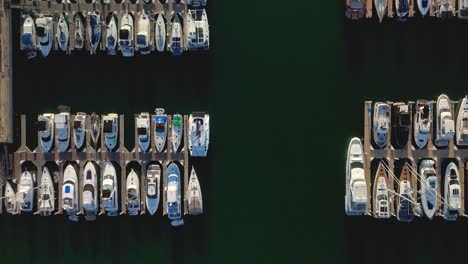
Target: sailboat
[
  {"x": 445, "y": 125},
  {"x": 199, "y": 134},
  {"x": 94, "y": 31},
  {"x": 381, "y": 7},
  {"x": 153, "y": 177},
  {"x": 201, "y": 33},
  {"x": 25, "y": 194},
  {"x": 95, "y": 124},
  {"x": 452, "y": 193},
  {"x": 79, "y": 31},
  {"x": 28, "y": 37},
  {"x": 46, "y": 199},
  {"x": 70, "y": 188},
  {"x": 422, "y": 123},
  {"x": 177, "y": 131},
  {"x": 111, "y": 34},
  {"x": 133, "y": 193},
  {"x": 160, "y": 33},
  {"x": 381, "y": 124},
  {"x": 79, "y": 130},
  {"x": 45, "y": 127},
  {"x": 90, "y": 189},
  {"x": 10, "y": 199},
  {"x": 62, "y": 125},
  {"x": 144, "y": 33},
  {"x": 382, "y": 201},
  {"x": 173, "y": 195},
  {"x": 405, "y": 211},
  {"x": 160, "y": 133},
  {"x": 191, "y": 32},
  {"x": 424, "y": 6},
  {"x": 194, "y": 196},
  {"x": 356, "y": 188},
  {"x": 110, "y": 193},
  {"x": 143, "y": 131},
  {"x": 62, "y": 32},
  {"x": 428, "y": 187},
  {"x": 111, "y": 130}
]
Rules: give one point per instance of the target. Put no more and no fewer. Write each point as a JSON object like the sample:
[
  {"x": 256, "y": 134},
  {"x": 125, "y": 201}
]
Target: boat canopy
[
  {"x": 141, "y": 40},
  {"x": 26, "y": 38},
  {"x": 132, "y": 194},
  {"x": 160, "y": 119},
  {"x": 152, "y": 189},
  {"x": 172, "y": 192},
  {"x": 124, "y": 33},
  {"x": 108, "y": 126},
  {"x": 160, "y": 127},
  {"x": 177, "y": 121},
  {"x": 41, "y": 31},
  {"x": 42, "y": 125}
]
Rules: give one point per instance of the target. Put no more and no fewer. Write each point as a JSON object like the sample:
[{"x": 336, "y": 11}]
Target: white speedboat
[
  {"x": 160, "y": 33},
  {"x": 462, "y": 123},
  {"x": 144, "y": 131},
  {"x": 79, "y": 130},
  {"x": 95, "y": 126},
  {"x": 46, "y": 199},
  {"x": 62, "y": 126},
  {"x": 201, "y": 31},
  {"x": 191, "y": 32},
  {"x": 126, "y": 36},
  {"x": 62, "y": 32},
  {"x": 111, "y": 34},
  {"x": 144, "y": 34},
  {"x": 46, "y": 129},
  {"x": 452, "y": 193},
  {"x": 94, "y": 31},
  {"x": 45, "y": 33},
  {"x": 381, "y": 124},
  {"x": 28, "y": 37},
  {"x": 422, "y": 123},
  {"x": 111, "y": 130},
  {"x": 160, "y": 133},
  {"x": 79, "y": 31},
  {"x": 110, "y": 192},
  {"x": 356, "y": 188},
  {"x": 405, "y": 201},
  {"x": 25, "y": 194},
  {"x": 133, "y": 193},
  {"x": 199, "y": 134},
  {"x": 153, "y": 178},
  {"x": 445, "y": 124},
  {"x": 194, "y": 196},
  {"x": 9, "y": 199},
  {"x": 175, "y": 45},
  {"x": 173, "y": 195},
  {"x": 381, "y": 8},
  {"x": 428, "y": 187},
  {"x": 382, "y": 200},
  {"x": 90, "y": 189},
  {"x": 70, "y": 201},
  {"x": 424, "y": 6},
  {"x": 177, "y": 131}
]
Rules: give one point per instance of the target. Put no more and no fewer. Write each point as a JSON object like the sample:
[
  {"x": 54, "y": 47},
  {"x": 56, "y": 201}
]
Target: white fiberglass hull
[
  {"x": 194, "y": 197},
  {"x": 62, "y": 33},
  {"x": 111, "y": 36},
  {"x": 133, "y": 193},
  {"x": 90, "y": 189},
  {"x": 10, "y": 199},
  {"x": 153, "y": 188},
  {"x": 160, "y": 33},
  {"x": 46, "y": 199},
  {"x": 25, "y": 195}
]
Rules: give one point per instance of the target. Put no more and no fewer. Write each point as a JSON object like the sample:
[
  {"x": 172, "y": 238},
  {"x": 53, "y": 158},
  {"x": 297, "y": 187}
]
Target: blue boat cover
[
  {"x": 141, "y": 40},
  {"x": 160, "y": 119},
  {"x": 67, "y": 189},
  {"x": 26, "y": 39}
]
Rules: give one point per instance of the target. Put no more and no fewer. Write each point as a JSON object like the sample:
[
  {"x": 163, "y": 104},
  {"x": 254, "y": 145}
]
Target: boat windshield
[
  {"x": 45, "y": 196},
  {"x": 355, "y": 165},
  {"x": 132, "y": 194},
  {"x": 42, "y": 125},
  {"x": 425, "y": 112},
  {"x": 89, "y": 175},
  {"x": 160, "y": 127},
  {"x": 141, "y": 131},
  {"x": 141, "y": 40},
  {"x": 152, "y": 190},
  {"x": 108, "y": 126},
  {"x": 405, "y": 120},
  {"x": 465, "y": 122},
  {"x": 106, "y": 192},
  {"x": 40, "y": 31},
  {"x": 26, "y": 39},
  {"x": 89, "y": 188},
  {"x": 124, "y": 33}
]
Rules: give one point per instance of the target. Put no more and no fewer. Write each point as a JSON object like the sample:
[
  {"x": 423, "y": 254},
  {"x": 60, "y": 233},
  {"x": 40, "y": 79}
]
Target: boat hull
[
  {"x": 160, "y": 33},
  {"x": 90, "y": 189},
  {"x": 26, "y": 192},
  {"x": 133, "y": 193}
]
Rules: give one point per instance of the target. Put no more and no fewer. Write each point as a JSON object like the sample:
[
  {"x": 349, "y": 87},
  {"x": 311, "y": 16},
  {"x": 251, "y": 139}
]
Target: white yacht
[
  {"x": 79, "y": 130},
  {"x": 381, "y": 7},
  {"x": 445, "y": 124},
  {"x": 94, "y": 31},
  {"x": 160, "y": 133},
  {"x": 153, "y": 178},
  {"x": 199, "y": 33},
  {"x": 111, "y": 130},
  {"x": 95, "y": 125},
  {"x": 424, "y": 6},
  {"x": 62, "y": 126},
  {"x": 46, "y": 129},
  {"x": 173, "y": 195},
  {"x": 144, "y": 131},
  {"x": 381, "y": 124},
  {"x": 356, "y": 188},
  {"x": 462, "y": 123},
  {"x": 90, "y": 189},
  {"x": 452, "y": 193},
  {"x": 111, "y": 34},
  {"x": 46, "y": 199},
  {"x": 70, "y": 189},
  {"x": 79, "y": 31},
  {"x": 62, "y": 32},
  {"x": 45, "y": 33},
  {"x": 199, "y": 134},
  {"x": 144, "y": 34},
  {"x": 175, "y": 45},
  {"x": 133, "y": 193},
  {"x": 422, "y": 123},
  {"x": 160, "y": 33},
  {"x": 10, "y": 199},
  {"x": 382, "y": 200},
  {"x": 110, "y": 191},
  {"x": 28, "y": 37},
  {"x": 428, "y": 187},
  {"x": 177, "y": 131},
  {"x": 126, "y": 36},
  {"x": 191, "y": 31},
  {"x": 25, "y": 194},
  {"x": 194, "y": 196}
]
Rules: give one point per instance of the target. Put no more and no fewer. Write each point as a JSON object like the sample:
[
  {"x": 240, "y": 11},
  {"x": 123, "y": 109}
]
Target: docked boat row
[
  {"x": 133, "y": 32},
  {"x": 194, "y": 3},
  {"x": 58, "y": 129}
]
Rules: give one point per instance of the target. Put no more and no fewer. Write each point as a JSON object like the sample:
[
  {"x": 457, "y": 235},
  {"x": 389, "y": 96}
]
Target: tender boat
[
  {"x": 62, "y": 32},
  {"x": 428, "y": 187},
  {"x": 199, "y": 134},
  {"x": 94, "y": 31},
  {"x": 133, "y": 193},
  {"x": 445, "y": 9},
  {"x": 382, "y": 201},
  {"x": 25, "y": 194},
  {"x": 173, "y": 195},
  {"x": 160, "y": 33},
  {"x": 79, "y": 31},
  {"x": 177, "y": 131},
  {"x": 381, "y": 7},
  {"x": 45, "y": 33},
  {"x": 46, "y": 128},
  {"x": 110, "y": 192},
  {"x": 143, "y": 131},
  {"x": 445, "y": 124},
  {"x": 144, "y": 34},
  {"x": 95, "y": 124},
  {"x": 463, "y": 9},
  {"x": 355, "y": 9},
  {"x": 402, "y": 8},
  {"x": 111, "y": 130},
  {"x": 70, "y": 192},
  {"x": 90, "y": 189},
  {"x": 452, "y": 193},
  {"x": 356, "y": 188},
  {"x": 160, "y": 133},
  {"x": 424, "y": 6},
  {"x": 28, "y": 37},
  {"x": 405, "y": 201},
  {"x": 381, "y": 124},
  {"x": 194, "y": 196},
  {"x": 401, "y": 121},
  {"x": 46, "y": 199},
  {"x": 196, "y": 3},
  {"x": 126, "y": 36},
  {"x": 62, "y": 125},
  {"x": 422, "y": 123},
  {"x": 111, "y": 34},
  {"x": 175, "y": 45},
  {"x": 199, "y": 33},
  {"x": 10, "y": 198},
  {"x": 79, "y": 130},
  {"x": 153, "y": 178},
  {"x": 462, "y": 123}
]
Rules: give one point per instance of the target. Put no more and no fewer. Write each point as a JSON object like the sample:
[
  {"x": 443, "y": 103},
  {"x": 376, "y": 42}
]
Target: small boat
[
  {"x": 445, "y": 125},
  {"x": 160, "y": 133},
  {"x": 153, "y": 178},
  {"x": 148, "y": 1},
  {"x": 133, "y": 193},
  {"x": 401, "y": 121},
  {"x": 405, "y": 202},
  {"x": 445, "y": 9},
  {"x": 381, "y": 7},
  {"x": 382, "y": 201},
  {"x": 95, "y": 124},
  {"x": 402, "y": 8},
  {"x": 199, "y": 134},
  {"x": 424, "y": 6},
  {"x": 25, "y": 194},
  {"x": 173, "y": 195},
  {"x": 126, "y": 36},
  {"x": 79, "y": 31},
  {"x": 452, "y": 193},
  {"x": 46, "y": 202},
  {"x": 463, "y": 9},
  {"x": 111, "y": 34},
  {"x": 110, "y": 193},
  {"x": 381, "y": 124},
  {"x": 45, "y": 126},
  {"x": 428, "y": 187},
  {"x": 177, "y": 131},
  {"x": 62, "y": 32},
  {"x": 196, "y": 3},
  {"x": 94, "y": 31},
  {"x": 355, "y": 9},
  {"x": 144, "y": 34},
  {"x": 111, "y": 130},
  {"x": 90, "y": 189},
  {"x": 79, "y": 130},
  {"x": 422, "y": 123},
  {"x": 62, "y": 125},
  {"x": 201, "y": 33},
  {"x": 143, "y": 131},
  {"x": 45, "y": 33},
  {"x": 70, "y": 192},
  {"x": 356, "y": 188},
  {"x": 160, "y": 33},
  {"x": 10, "y": 199},
  {"x": 462, "y": 123},
  {"x": 28, "y": 37},
  {"x": 194, "y": 196},
  {"x": 175, "y": 45}
]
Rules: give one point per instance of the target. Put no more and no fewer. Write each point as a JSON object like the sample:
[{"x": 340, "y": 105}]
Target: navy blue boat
[{"x": 402, "y": 7}]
